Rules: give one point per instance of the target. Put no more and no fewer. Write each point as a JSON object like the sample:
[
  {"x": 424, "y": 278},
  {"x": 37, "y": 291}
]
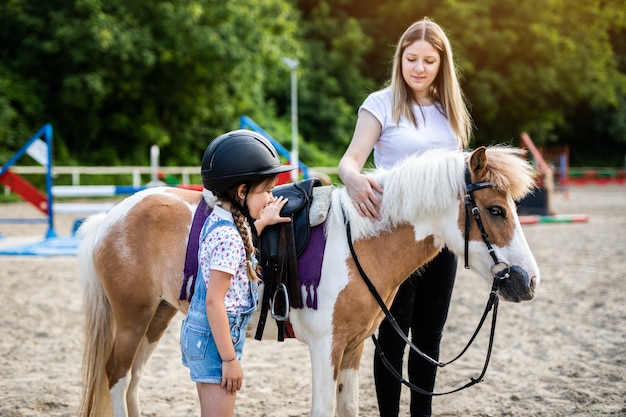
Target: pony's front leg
[
  {"x": 324, "y": 385},
  {"x": 348, "y": 382},
  {"x": 348, "y": 393}
]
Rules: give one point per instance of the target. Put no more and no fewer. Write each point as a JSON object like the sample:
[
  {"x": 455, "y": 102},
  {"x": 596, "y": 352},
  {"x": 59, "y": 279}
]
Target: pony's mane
[
  {"x": 424, "y": 186},
  {"x": 417, "y": 187}
]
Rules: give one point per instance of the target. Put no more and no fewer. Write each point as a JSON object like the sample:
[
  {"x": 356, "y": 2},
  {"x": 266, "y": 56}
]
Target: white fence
[
  {"x": 135, "y": 171},
  {"x": 140, "y": 174}
]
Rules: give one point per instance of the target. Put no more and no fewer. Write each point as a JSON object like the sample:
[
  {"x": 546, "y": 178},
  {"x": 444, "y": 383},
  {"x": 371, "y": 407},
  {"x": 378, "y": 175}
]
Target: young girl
[{"x": 240, "y": 168}]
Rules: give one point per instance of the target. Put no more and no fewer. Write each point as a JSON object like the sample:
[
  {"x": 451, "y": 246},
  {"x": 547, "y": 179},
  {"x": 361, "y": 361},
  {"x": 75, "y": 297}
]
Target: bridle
[
  {"x": 471, "y": 207},
  {"x": 492, "y": 303}
]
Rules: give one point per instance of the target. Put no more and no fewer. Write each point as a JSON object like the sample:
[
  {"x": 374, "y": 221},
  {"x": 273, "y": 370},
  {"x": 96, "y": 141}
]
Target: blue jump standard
[{"x": 54, "y": 246}]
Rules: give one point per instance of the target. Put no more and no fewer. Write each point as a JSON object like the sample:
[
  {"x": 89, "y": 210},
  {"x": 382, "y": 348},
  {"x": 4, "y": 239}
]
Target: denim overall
[{"x": 199, "y": 352}]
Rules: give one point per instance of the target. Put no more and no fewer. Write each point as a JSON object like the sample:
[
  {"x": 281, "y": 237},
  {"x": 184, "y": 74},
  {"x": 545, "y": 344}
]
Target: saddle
[{"x": 280, "y": 245}]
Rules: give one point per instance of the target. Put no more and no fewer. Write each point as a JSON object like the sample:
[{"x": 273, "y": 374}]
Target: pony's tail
[{"x": 97, "y": 328}]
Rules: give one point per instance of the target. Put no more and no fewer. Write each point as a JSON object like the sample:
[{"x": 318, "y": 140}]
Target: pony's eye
[{"x": 497, "y": 211}]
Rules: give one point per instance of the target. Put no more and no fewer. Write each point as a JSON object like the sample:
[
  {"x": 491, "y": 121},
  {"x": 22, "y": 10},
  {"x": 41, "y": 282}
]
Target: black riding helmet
[{"x": 240, "y": 156}]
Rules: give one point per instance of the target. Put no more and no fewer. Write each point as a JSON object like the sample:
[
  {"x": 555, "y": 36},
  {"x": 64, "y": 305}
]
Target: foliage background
[{"x": 115, "y": 77}]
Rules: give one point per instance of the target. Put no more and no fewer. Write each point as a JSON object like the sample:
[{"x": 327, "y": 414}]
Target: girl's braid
[{"x": 244, "y": 231}]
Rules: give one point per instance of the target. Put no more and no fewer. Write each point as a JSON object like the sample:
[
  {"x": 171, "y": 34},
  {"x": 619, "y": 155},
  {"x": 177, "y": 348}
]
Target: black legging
[{"x": 422, "y": 305}]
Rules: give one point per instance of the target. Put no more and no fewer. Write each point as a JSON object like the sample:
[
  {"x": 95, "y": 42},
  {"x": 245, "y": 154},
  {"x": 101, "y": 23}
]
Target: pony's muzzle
[{"x": 518, "y": 286}]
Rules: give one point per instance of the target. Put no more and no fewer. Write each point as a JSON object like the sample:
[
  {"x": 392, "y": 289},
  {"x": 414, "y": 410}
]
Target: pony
[{"x": 132, "y": 259}]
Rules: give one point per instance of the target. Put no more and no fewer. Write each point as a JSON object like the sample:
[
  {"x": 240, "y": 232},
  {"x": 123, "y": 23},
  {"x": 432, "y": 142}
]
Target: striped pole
[
  {"x": 94, "y": 190},
  {"x": 557, "y": 218}
]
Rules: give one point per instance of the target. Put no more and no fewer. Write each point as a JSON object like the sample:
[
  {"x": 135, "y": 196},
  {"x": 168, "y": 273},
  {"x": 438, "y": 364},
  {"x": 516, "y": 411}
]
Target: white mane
[{"x": 418, "y": 187}]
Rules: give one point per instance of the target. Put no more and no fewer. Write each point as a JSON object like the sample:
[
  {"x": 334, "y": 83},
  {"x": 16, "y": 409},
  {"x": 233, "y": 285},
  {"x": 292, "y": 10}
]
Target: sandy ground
[{"x": 562, "y": 354}]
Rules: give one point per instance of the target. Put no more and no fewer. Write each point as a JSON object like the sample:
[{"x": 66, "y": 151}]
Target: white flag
[{"x": 39, "y": 151}]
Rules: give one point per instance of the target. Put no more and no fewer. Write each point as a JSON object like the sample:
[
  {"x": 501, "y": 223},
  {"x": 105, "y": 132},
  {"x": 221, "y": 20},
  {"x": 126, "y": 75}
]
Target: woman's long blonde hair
[{"x": 445, "y": 89}]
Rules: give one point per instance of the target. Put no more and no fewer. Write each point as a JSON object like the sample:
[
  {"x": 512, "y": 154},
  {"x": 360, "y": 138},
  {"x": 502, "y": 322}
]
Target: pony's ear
[{"x": 478, "y": 163}]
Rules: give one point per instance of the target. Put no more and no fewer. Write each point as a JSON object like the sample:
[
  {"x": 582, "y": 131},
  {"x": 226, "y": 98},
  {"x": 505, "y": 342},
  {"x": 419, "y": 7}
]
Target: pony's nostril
[{"x": 533, "y": 283}]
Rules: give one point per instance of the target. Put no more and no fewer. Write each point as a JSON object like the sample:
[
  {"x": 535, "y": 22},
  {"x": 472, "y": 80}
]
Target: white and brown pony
[{"x": 132, "y": 262}]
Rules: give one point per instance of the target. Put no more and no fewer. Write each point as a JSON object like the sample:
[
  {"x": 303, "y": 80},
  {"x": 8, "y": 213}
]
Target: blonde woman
[{"x": 422, "y": 108}]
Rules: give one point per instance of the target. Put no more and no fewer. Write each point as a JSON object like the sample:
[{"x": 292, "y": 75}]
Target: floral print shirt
[{"x": 223, "y": 249}]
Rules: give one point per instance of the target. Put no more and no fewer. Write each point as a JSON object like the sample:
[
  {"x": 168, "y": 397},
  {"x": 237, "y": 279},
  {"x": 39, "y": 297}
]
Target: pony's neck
[{"x": 389, "y": 258}]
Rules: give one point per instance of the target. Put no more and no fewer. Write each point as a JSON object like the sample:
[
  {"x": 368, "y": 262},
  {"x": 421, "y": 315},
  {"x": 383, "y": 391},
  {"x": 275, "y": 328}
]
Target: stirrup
[{"x": 281, "y": 289}]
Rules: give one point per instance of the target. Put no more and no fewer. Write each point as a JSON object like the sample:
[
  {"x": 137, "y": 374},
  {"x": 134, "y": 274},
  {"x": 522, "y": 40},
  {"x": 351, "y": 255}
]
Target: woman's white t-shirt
[{"x": 397, "y": 141}]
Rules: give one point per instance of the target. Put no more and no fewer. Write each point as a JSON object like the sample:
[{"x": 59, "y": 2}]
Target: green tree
[
  {"x": 534, "y": 62},
  {"x": 523, "y": 64},
  {"x": 596, "y": 135},
  {"x": 331, "y": 85},
  {"x": 22, "y": 109},
  {"x": 116, "y": 77}
]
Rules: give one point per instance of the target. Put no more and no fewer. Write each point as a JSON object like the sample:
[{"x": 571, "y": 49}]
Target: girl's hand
[
  {"x": 232, "y": 376},
  {"x": 271, "y": 214}
]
